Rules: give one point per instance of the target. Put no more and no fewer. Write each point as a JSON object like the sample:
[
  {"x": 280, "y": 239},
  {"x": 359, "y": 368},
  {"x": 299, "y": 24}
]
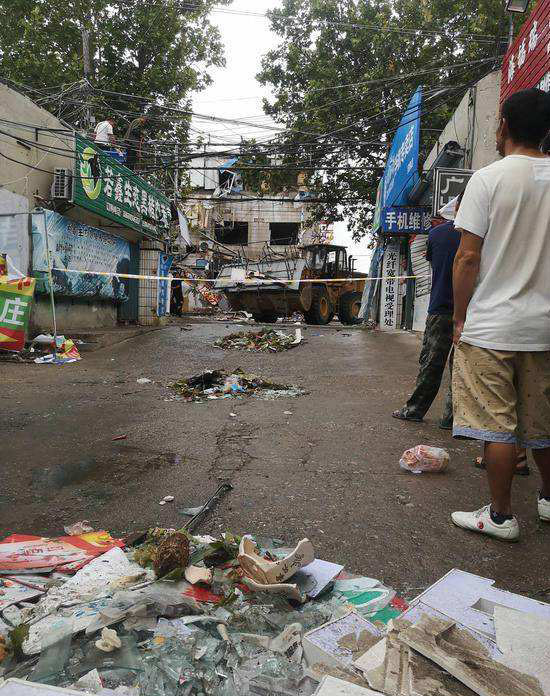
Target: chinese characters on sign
[
  {"x": 401, "y": 172},
  {"x": 109, "y": 189},
  {"x": 79, "y": 247},
  {"x": 15, "y": 308},
  {"x": 401, "y": 220},
  {"x": 389, "y": 292},
  {"x": 448, "y": 184},
  {"x": 527, "y": 62}
]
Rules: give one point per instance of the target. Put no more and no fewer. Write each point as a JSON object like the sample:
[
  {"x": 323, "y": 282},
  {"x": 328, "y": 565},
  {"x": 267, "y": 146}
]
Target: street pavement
[{"x": 330, "y": 471}]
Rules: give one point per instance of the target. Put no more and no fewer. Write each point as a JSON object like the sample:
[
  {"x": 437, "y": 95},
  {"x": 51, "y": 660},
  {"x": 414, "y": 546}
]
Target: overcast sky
[{"x": 236, "y": 94}]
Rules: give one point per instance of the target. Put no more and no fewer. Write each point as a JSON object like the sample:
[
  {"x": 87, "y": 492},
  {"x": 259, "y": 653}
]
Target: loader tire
[
  {"x": 321, "y": 310},
  {"x": 265, "y": 318},
  {"x": 350, "y": 304}
]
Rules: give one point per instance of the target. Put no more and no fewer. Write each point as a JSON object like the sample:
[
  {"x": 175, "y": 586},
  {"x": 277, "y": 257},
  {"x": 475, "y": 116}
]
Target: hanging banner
[
  {"x": 111, "y": 190},
  {"x": 16, "y": 298},
  {"x": 401, "y": 172},
  {"x": 165, "y": 262},
  {"x": 81, "y": 247},
  {"x": 527, "y": 61}
]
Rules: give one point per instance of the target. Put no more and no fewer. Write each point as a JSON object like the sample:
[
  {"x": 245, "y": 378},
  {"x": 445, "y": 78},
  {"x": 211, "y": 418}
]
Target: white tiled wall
[{"x": 149, "y": 259}]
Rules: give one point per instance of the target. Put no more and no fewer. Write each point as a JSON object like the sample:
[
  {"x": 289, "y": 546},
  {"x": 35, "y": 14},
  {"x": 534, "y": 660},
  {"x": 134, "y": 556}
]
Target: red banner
[{"x": 527, "y": 61}]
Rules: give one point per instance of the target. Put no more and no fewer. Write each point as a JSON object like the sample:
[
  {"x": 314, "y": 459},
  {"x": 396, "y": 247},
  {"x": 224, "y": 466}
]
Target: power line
[{"x": 413, "y": 31}]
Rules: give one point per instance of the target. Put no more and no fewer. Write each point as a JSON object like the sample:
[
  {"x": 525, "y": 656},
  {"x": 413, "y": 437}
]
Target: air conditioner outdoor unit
[{"x": 62, "y": 187}]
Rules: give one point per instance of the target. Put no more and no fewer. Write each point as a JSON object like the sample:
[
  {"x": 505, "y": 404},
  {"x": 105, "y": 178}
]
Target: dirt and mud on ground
[{"x": 323, "y": 465}]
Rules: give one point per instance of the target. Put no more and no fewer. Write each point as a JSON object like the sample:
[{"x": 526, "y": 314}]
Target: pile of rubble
[
  {"x": 170, "y": 613},
  {"x": 221, "y": 384},
  {"x": 263, "y": 341}
]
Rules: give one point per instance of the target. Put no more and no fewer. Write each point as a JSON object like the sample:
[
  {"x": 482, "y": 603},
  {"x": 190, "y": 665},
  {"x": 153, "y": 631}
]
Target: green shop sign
[{"x": 111, "y": 190}]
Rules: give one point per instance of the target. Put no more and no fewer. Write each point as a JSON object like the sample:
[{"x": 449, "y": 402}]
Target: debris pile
[
  {"x": 175, "y": 614},
  {"x": 221, "y": 384},
  {"x": 179, "y": 614},
  {"x": 264, "y": 341}
]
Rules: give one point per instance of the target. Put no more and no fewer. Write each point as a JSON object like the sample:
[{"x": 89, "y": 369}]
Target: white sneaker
[
  {"x": 544, "y": 509},
  {"x": 480, "y": 521}
]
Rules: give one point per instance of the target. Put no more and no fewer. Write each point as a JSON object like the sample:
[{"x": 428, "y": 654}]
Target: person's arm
[
  {"x": 111, "y": 135},
  {"x": 465, "y": 272}
]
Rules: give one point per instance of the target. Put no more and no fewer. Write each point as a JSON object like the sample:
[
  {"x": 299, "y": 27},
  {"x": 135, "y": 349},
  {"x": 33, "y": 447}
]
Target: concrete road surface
[{"x": 329, "y": 471}]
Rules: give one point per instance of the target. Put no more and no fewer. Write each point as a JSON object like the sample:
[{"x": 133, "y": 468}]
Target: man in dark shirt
[{"x": 443, "y": 242}]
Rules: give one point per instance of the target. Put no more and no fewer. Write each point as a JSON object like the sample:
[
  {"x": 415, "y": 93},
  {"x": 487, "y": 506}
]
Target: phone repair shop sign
[
  {"x": 406, "y": 220},
  {"x": 113, "y": 191},
  {"x": 448, "y": 184},
  {"x": 527, "y": 61}
]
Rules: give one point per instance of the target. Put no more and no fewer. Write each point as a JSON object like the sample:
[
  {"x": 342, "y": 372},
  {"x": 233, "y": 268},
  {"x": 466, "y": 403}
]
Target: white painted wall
[
  {"x": 14, "y": 229},
  {"x": 479, "y": 107}
]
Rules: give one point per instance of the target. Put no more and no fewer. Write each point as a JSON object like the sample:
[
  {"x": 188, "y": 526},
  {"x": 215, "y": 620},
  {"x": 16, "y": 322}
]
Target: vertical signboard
[
  {"x": 527, "y": 61},
  {"x": 163, "y": 287},
  {"x": 389, "y": 291},
  {"x": 401, "y": 172}
]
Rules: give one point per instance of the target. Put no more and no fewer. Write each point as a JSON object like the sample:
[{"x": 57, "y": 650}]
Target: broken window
[
  {"x": 284, "y": 232},
  {"x": 232, "y": 233}
]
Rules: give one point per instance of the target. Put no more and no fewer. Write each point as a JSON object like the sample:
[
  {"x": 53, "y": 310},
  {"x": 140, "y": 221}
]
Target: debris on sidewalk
[
  {"x": 265, "y": 340},
  {"x": 424, "y": 458},
  {"x": 21, "y": 553},
  {"x": 67, "y": 352},
  {"x": 221, "y": 384},
  {"x": 77, "y": 528},
  {"x": 182, "y": 614}
]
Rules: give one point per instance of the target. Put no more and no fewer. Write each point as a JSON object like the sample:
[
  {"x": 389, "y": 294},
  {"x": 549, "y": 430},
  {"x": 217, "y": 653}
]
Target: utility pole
[
  {"x": 86, "y": 53},
  {"x": 87, "y": 61}
]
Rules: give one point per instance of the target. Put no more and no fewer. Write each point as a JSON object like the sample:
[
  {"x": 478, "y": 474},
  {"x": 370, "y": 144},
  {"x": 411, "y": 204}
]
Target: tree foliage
[
  {"x": 160, "y": 49},
  {"x": 344, "y": 70}
]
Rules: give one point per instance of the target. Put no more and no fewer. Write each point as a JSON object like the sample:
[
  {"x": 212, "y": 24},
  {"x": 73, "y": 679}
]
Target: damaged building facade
[
  {"x": 99, "y": 215},
  {"x": 243, "y": 221}
]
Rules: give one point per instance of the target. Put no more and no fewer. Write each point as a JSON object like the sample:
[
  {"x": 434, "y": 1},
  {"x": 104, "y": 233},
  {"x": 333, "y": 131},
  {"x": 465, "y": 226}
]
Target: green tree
[
  {"x": 159, "y": 49},
  {"x": 344, "y": 71}
]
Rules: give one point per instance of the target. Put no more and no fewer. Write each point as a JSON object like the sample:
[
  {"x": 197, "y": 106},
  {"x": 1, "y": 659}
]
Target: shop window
[
  {"x": 284, "y": 233},
  {"x": 232, "y": 233}
]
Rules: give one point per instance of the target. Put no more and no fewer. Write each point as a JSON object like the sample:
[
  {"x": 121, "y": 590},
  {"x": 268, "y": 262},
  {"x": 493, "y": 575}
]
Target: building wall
[
  {"x": 148, "y": 289},
  {"x": 73, "y": 314},
  {"x": 258, "y": 214},
  {"x": 473, "y": 125},
  {"x": 22, "y": 186}
]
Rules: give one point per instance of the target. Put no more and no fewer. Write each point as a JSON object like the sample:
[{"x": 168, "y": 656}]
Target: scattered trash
[
  {"x": 109, "y": 640},
  {"x": 168, "y": 499},
  {"x": 265, "y": 340},
  {"x": 21, "y": 553},
  {"x": 78, "y": 528},
  {"x": 120, "y": 437},
  {"x": 143, "y": 380},
  {"x": 287, "y": 413},
  {"x": 233, "y": 415},
  {"x": 181, "y": 615},
  {"x": 198, "y": 513},
  {"x": 220, "y": 384},
  {"x": 424, "y": 458}
]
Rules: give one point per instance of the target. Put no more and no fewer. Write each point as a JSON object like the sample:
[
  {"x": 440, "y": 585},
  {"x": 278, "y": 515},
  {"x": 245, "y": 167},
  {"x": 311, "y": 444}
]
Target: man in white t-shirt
[
  {"x": 104, "y": 133},
  {"x": 501, "y": 281}
]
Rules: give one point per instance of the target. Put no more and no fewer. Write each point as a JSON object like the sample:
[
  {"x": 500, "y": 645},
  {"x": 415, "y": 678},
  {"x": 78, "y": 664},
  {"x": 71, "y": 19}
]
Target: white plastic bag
[{"x": 424, "y": 458}]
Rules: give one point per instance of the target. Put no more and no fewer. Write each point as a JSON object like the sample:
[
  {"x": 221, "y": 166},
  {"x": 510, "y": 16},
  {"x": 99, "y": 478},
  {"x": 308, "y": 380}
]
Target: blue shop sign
[
  {"x": 401, "y": 172},
  {"x": 406, "y": 220}
]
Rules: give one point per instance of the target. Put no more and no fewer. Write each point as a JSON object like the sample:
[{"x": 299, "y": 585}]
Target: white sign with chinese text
[{"x": 389, "y": 288}]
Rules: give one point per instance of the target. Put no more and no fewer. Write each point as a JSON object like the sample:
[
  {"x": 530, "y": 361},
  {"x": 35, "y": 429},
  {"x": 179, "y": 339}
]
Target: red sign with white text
[{"x": 527, "y": 61}]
